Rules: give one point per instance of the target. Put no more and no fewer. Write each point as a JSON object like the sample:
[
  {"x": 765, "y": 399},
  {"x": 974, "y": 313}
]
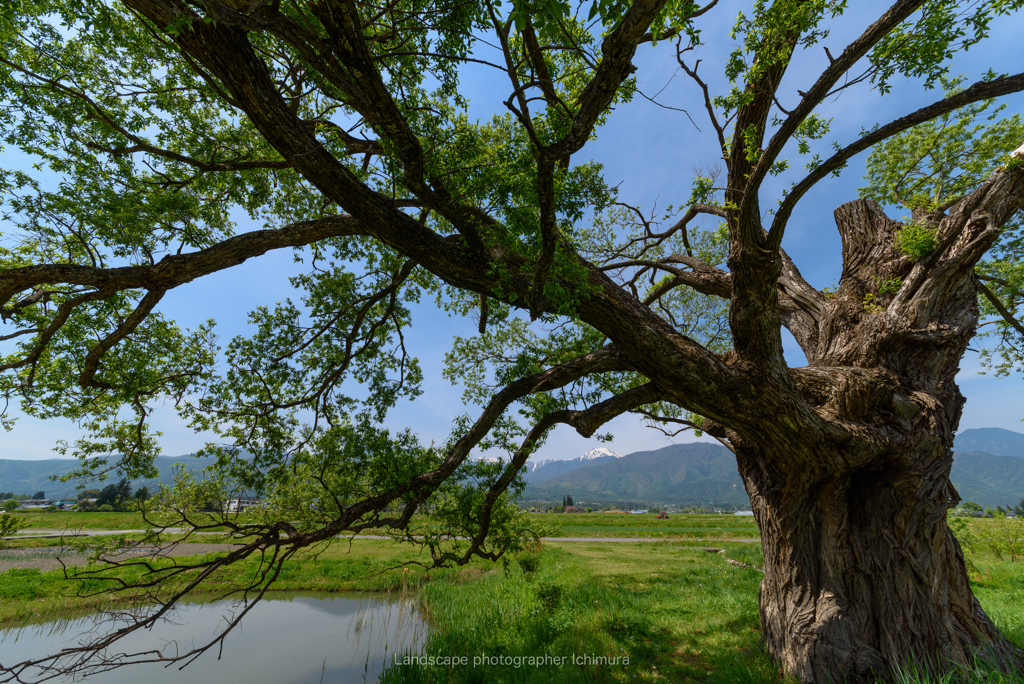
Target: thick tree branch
[
  {"x": 548, "y": 233},
  {"x": 92, "y": 359},
  {"x": 801, "y": 307},
  {"x": 547, "y": 86},
  {"x": 585, "y": 422},
  {"x": 229, "y": 57},
  {"x": 963, "y": 237},
  {"x": 177, "y": 269},
  {"x": 616, "y": 65}
]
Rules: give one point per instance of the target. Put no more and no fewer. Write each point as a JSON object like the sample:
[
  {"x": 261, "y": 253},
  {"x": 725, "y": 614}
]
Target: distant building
[
  {"x": 640, "y": 512},
  {"x": 239, "y": 505},
  {"x": 744, "y": 513},
  {"x": 35, "y": 504}
]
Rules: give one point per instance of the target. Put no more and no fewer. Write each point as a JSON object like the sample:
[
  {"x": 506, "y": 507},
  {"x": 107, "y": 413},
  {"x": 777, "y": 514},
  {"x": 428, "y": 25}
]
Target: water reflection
[{"x": 287, "y": 638}]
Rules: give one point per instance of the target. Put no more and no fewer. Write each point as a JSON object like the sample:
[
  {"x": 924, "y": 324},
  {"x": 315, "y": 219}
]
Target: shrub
[
  {"x": 915, "y": 240},
  {"x": 1003, "y": 537},
  {"x": 10, "y": 524},
  {"x": 529, "y": 561}
]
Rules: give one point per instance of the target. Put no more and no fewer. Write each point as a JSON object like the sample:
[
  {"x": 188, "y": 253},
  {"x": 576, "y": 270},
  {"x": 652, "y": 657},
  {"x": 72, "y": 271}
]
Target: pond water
[{"x": 288, "y": 638}]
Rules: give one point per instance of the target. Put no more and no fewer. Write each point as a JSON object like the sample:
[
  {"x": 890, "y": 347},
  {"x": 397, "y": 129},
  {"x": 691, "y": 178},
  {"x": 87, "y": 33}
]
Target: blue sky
[{"x": 650, "y": 152}]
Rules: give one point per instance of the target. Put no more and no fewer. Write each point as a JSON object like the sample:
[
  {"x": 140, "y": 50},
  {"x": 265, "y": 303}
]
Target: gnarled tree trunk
[{"x": 862, "y": 575}]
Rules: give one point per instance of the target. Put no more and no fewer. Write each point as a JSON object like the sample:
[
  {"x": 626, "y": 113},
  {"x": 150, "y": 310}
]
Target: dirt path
[{"x": 49, "y": 558}]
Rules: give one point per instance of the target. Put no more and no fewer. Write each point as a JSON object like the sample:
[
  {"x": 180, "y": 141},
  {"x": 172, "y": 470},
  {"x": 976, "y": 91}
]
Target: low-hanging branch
[{"x": 846, "y": 460}]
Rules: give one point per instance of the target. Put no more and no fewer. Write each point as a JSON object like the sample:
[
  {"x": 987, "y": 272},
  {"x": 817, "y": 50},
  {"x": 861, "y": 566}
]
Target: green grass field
[
  {"x": 678, "y": 612},
  {"x": 677, "y": 526},
  {"x": 62, "y": 520}
]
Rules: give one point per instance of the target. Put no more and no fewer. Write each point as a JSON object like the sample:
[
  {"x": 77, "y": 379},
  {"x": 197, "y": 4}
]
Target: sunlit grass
[
  {"x": 678, "y": 612},
  {"x": 681, "y": 525},
  {"x": 68, "y": 520}
]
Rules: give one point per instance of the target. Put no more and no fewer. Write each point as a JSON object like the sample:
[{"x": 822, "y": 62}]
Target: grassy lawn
[
  {"x": 32, "y": 595},
  {"x": 676, "y": 611},
  {"x": 66, "y": 520},
  {"x": 677, "y": 526}
]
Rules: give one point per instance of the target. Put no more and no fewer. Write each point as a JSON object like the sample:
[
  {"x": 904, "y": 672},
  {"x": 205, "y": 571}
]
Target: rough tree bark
[
  {"x": 861, "y": 572},
  {"x": 846, "y": 461}
]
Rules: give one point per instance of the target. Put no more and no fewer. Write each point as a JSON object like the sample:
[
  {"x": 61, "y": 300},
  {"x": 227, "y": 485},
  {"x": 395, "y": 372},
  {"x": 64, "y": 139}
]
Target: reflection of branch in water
[
  {"x": 137, "y": 584},
  {"x": 148, "y": 589},
  {"x": 284, "y": 621},
  {"x": 365, "y": 622}
]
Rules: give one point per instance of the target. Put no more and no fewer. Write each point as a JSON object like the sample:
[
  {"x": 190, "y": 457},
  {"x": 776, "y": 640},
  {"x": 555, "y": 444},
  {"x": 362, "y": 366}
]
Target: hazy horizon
[{"x": 535, "y": 458}]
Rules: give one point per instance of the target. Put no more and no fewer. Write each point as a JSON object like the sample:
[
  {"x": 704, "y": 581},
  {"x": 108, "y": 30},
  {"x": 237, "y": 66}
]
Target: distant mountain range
[
  {"x": 703, "y": 472},
  {"x": 541, "y": 471},
  {"x": 988, "y": 480},
  {"x": 995, "y": 441},
  {"x": 681, "y": 473},
  {"x": 988, "y": 468},
  {"x": 28, "y": 477}
]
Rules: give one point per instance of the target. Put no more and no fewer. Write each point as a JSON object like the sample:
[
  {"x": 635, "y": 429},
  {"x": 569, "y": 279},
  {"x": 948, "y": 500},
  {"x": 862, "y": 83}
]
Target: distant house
[
  {"x": 239, "y": 505},
  {"x": 640, "y": 512},
  {"x": 35, "y": 504},
  {"x": 744, "y": 513}
]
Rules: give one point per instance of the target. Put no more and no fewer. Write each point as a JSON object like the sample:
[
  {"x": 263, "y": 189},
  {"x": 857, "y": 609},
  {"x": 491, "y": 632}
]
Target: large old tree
[{"x": 143, "y": 132}]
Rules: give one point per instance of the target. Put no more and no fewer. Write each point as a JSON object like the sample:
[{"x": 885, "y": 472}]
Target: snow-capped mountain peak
[
  {"x": 599, "y": 452},
  {"x": 553, "y": 466}
]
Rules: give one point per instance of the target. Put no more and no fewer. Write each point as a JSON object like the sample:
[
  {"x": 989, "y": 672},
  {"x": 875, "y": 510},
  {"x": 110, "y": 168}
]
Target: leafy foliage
[
  {"x": 933, "y": 165},
  {"x": 924, "y": 45},
  {"x": 916, "y": 240},
  {"x": 342, "y": 131},
  {"x": 10, "y": 524}
]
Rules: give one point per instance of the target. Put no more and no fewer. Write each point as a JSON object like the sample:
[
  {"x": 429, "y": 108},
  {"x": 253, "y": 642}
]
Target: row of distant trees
[
  {"x": 972, "y": 507},
  {"x": 4, "y": 496},
  {"x": 113, "y": 497}
]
